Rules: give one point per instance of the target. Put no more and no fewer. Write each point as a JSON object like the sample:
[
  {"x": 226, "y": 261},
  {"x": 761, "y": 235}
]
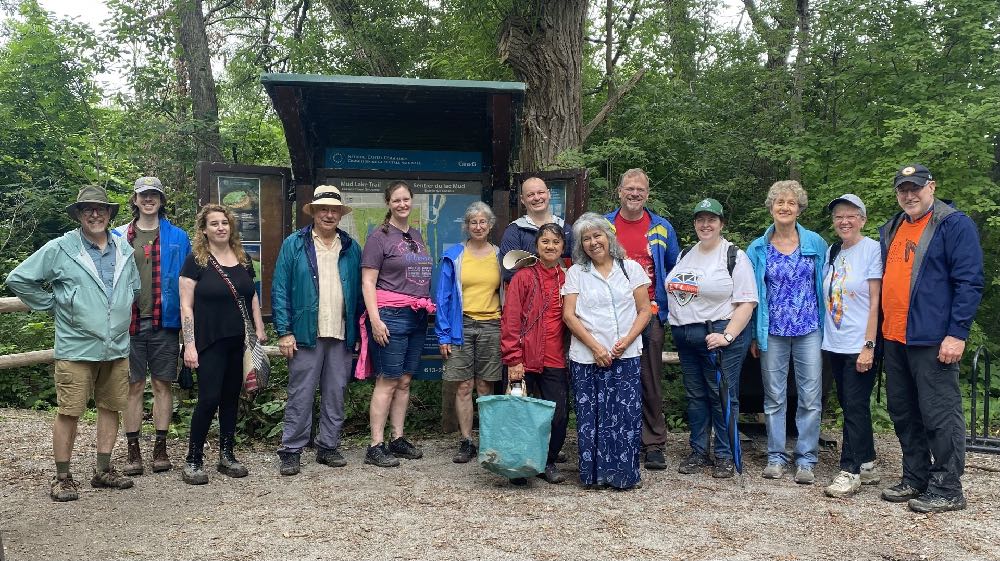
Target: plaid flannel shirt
[{"x": 154, "y": 255}]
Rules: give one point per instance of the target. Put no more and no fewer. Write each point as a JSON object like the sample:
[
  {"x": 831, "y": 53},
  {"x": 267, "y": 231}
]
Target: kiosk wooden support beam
[{"x": 12, "y": 305}]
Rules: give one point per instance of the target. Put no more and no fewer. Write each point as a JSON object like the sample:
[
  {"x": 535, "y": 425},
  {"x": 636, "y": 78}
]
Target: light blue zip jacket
[
  {"x": 448, "y": 296},
  {"x": 88, "y": 326},
  {"x": 174, "y": 249},
  {"x": 811, "y": 245}
]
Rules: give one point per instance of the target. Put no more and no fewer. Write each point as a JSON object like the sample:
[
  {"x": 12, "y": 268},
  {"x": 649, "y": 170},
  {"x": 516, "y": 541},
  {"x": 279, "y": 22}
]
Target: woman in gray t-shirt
[{"x": 395, "y": 282}]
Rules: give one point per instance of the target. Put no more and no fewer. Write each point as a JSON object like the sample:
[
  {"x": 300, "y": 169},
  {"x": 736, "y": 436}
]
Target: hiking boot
[
  {"x": 466, "y": 451},
  {"x": 228, "y": 464},
  {"x": 693, "y": 463},
  {"x": 655, "y": 459},
  {"x": 723, "y": 468},
  {"x": 330, "y": 457},
  {"x": 402, "y": 448},
  {"x": 194, "y": 474},
  {"x": 932, "y": 502},
  {"x": 110, "y": 479},
  {"x": 133, "y": 465},
  {"x": 900, "y": 493},
  {"x": 379, "y": 455},
  {"x": 774, "y": 471},
  {"x": 64, "y": 489},
  {"x": 844, "y": 485},
  {"x": 519, "y": 481},
  {"x": 804, "y": 475},
  {"x": 290, "y": 462},
  {"x": 552, "y": 474},
  {"x": 869, "y": 474},
  {"x": 161, "y": 462}
]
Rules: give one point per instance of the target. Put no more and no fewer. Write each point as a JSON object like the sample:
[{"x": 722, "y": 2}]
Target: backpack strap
[
  {"x": 730, "y": 256},
  {"x": 621, "y": 263}
]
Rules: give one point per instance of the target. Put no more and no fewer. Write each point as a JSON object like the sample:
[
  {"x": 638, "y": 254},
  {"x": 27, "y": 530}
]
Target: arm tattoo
[{"x": 188, "y": 327}]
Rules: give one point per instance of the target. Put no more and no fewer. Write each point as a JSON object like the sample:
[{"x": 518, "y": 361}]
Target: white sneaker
[
  {"x": 869, "y": 474},
  {"x": 844, "y": 485}
]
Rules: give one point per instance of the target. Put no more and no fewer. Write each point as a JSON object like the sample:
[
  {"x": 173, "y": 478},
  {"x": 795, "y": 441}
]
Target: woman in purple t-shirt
[{"x": 395, "y": 281}]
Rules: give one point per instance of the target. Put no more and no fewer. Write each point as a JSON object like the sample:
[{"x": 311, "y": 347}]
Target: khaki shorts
[
  {"x": 77, "y": 380},
  {"x": 479, "y": 357}
]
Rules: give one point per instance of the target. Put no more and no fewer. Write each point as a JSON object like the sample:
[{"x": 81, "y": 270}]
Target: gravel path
[{"x": 434, "y": 509}]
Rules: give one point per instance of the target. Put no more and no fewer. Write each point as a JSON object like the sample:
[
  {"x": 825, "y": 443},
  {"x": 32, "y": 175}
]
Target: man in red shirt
[{"x": 650, "y": 240}]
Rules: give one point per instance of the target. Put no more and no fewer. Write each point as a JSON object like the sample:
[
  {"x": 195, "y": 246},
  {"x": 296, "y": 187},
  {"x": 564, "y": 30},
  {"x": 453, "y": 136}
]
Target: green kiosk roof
[{"x": 320, "y": 111}]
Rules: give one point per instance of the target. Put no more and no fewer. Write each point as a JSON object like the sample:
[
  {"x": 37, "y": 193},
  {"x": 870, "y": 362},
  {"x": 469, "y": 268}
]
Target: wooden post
[
  {"x": 12, "y": 305},
  {"x": 449, "y": 421}
]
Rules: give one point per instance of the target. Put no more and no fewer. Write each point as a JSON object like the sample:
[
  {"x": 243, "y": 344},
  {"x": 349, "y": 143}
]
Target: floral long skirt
[{"x": 608, "y": 421}]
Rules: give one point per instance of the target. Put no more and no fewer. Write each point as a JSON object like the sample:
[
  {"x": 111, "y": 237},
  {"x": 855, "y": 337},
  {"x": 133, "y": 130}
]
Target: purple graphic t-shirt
[{"x": 402, "y": 260}]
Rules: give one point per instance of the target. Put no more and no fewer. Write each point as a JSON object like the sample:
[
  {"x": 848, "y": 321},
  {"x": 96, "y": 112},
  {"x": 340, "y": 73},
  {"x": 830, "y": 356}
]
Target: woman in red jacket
[{"x": 532, "y": 336}]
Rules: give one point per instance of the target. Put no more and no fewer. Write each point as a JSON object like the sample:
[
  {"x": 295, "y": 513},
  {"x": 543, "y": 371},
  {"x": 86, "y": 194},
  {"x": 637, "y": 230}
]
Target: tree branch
[{"x": 610, "y": 105}]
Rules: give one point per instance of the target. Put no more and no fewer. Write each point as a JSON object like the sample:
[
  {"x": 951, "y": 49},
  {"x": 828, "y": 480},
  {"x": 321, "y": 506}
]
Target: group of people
[{"x": 555, "y": 306}]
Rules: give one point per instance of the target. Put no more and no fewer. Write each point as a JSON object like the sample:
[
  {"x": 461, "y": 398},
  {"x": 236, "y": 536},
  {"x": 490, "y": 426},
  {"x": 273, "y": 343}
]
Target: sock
[
  {"x": 62, "y": 469},
  {"x": 103, "y": 462},
  {"x": 132, "y": 436},
  {"x": 161, "y": 434}
]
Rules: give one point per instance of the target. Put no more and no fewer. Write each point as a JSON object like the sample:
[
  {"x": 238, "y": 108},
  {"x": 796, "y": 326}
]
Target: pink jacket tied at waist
[{"x": 385, "y": 298}]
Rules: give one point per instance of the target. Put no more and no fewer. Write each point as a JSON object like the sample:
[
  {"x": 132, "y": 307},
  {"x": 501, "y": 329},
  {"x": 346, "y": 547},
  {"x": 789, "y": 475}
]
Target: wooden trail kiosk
[{"x": 452, "y": 141}]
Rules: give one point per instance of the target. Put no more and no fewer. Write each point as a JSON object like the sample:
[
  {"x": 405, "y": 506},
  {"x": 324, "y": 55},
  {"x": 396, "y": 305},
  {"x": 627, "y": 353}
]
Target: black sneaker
[
  {"x": 900, "y": 493},
  {"x": 552, "y": 474},
  {"x": 561, "y": 457},
  {"x": 693, "y": 463},
  {"x": 655, "y": 459},
  {"x": 403, "y": 448},
  {"x": 519, "y": 481},
  {"x": 466, "y": 451},
  {"x": 330, "y": 457},
  {"x": 289, "y": 463},
  {"x": 379, "y": 455},
  {"x": 932, "y": 502},
  {"x": 723, "y": 468}
]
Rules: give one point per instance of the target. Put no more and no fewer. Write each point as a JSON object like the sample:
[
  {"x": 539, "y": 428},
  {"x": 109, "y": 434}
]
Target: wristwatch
[
  {"x": 869, "y": 344},
  {"x": 727, "y": 337}
]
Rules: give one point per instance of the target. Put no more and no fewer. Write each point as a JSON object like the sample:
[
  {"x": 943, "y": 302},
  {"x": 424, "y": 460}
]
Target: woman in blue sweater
[{"x": 788, "y": 264}]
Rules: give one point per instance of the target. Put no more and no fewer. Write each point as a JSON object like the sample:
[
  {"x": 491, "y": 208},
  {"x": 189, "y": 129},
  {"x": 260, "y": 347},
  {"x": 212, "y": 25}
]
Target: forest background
[{"x": 835, "y": 93}]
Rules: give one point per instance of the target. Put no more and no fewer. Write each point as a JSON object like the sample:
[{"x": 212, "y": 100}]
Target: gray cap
[
  {"x": 850, "y": 199},
  {"x": 148, "y": 184}
]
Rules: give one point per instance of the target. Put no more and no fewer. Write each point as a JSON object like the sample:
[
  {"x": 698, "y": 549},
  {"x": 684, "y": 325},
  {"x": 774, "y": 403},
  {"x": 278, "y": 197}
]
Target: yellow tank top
[{"x": 480, "y": 286}]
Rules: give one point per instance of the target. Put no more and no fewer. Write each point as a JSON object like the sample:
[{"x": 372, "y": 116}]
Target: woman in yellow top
[{"x": 468, "y": 318}]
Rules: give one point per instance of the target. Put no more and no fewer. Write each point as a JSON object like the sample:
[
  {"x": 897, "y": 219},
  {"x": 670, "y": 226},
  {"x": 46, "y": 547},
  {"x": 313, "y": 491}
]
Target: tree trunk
[
  {"x": 798, "y": 118},
  {"x": 198, "y": 59},
  {"x": 542, "y": 41}
]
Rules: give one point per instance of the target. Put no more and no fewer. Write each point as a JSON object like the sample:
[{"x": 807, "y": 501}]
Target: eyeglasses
[
  {"x": 907, "y": 188},
  {"x": 410, "y": 243},
  {"x": 96, "y": 210},
  {"x": 847, "y": 218},
  {"x": 479, "y": 223}
]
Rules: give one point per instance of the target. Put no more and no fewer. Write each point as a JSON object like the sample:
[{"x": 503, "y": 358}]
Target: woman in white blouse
[{"x": 606, "y": 308}]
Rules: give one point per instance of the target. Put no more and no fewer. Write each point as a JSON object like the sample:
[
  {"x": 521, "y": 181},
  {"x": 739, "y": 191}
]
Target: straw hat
[
  {"x": 518, "y": 258},
  {"x": 326, "y": 195}
]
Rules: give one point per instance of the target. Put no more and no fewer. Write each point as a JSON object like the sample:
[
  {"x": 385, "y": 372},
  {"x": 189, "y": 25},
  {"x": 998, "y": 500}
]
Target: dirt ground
[{"x": 434, "y": 509}]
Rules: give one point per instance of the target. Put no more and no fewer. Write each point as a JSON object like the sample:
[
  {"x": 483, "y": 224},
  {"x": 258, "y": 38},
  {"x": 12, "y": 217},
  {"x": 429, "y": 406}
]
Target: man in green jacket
[
  {"x": 314, "y": 304},
  {"x": 93, "y": 281}
]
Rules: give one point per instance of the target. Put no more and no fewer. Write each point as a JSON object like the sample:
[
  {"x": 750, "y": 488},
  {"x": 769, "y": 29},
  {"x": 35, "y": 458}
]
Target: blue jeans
[
  {"x": 407, "y": 331},
  {"x": 805, "y": 351},
  {"x": 702, "y": 389}
]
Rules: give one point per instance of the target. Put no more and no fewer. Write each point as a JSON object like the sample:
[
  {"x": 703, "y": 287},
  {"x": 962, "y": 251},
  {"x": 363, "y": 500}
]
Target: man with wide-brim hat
[
  {"x": 314, "y": 301},
  {"x": 931, "y": 288},
  {"x": 160, "y": 249},
  {"x": 88, "y": 280}
]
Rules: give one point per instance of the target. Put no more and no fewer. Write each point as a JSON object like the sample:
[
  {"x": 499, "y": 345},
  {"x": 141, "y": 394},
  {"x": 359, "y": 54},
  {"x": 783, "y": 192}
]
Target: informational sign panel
[{"x": 403, "y": 160}]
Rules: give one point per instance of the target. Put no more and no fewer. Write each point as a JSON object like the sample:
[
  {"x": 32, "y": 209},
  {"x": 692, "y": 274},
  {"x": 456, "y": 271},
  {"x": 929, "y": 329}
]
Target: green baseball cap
[{"x": 710, "y": 206}]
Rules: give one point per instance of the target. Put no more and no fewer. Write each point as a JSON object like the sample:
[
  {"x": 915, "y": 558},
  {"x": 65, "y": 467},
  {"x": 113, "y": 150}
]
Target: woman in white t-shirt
[
  {"x": 852, "y": 283},
  {"x": 606, "y": 308},
  {"x": 712, "y": 294}
]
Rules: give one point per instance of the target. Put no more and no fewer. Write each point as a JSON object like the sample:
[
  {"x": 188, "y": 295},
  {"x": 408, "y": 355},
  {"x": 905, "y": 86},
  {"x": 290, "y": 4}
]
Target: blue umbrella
[{"x": 729, "y": 415}]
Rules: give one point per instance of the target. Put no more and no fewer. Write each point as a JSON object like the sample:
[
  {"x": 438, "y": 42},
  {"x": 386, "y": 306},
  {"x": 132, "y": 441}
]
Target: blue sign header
[{"x": 403, "y": 160}]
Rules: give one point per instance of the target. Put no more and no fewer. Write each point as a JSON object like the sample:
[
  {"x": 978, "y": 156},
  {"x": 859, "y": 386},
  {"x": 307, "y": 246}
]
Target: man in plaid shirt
[{"x": 160, "y": 250}]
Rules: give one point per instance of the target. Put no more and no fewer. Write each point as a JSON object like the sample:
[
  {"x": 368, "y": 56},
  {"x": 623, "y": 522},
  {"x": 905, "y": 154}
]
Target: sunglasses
[{"x": 410, "y": 243}]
